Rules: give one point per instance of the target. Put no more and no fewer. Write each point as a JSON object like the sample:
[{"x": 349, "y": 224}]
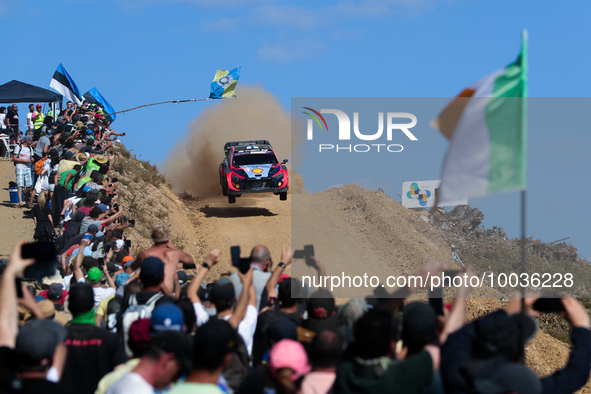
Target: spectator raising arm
[
  {"x": 212, "y": 259},
  {"x": 8, "y": 306},
  {"x": 246, "y": 298},
  {"x": 78, "y": 261},
  {"x": 274, "y": 278}
]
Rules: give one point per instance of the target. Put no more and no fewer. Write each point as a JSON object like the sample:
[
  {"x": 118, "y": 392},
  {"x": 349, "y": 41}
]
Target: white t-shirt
[
  {"x": 24, "y": 153},
  {"x": 30, "y": 120},
  {"x": 246, "y": 327},
  {"x": 68, "y": 279},
  {"x": 2, "y": 120},
  {"x": 130, "y": 383},
  {"x": 102, "y": 292}
]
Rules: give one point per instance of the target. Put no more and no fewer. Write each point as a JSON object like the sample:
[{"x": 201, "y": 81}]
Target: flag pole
[{"x": 523, "y": 192}]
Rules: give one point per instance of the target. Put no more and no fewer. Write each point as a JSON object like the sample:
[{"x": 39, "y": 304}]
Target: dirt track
[{"x": 15, "y": 223}]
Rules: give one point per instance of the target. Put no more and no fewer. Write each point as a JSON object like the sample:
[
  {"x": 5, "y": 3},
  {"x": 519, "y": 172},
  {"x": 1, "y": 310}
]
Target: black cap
[
  {"x": 182, "y": 277},
  {"x": 222, "y": 293},
  {"x": 37, "y": 340},
  {"x": 54, "y": 292},
  {"x": 81, "y": 298},
  {"x": 204, "y": 293},
  {"x": 152, "y": 266},
  {"x": 419, "y": 324},
  {"x": 281, "y": 328},
  {"x": 321, "y": 311},
  {"x": 213, "y": 341},
  {"x": 176, "y": 343}
]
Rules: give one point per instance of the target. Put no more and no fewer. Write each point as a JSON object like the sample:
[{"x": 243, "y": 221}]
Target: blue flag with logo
[
  {"x": 93, "y": 96},
  {"x": 224, "y": 83}
]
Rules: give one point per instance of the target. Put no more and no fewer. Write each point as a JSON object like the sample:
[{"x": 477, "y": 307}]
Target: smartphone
[
  {"x": 243, "y": 264},
  {"x": 114, "y": 180},
  {"x": 45, "y": 259},
  {"x": 548, "y": 305},
  {"x": 116, "y": 206},
  {"x": 131, "y": 222},
  {"x": 307, "y": 254},
  {"x": 128, "y": 243}
]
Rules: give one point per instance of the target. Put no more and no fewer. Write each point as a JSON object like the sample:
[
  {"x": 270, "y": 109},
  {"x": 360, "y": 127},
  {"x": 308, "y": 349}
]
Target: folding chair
[{"x": 7, "y": 147}]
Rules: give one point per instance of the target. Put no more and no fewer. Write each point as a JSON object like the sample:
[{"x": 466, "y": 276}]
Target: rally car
[{"x": 252, "y": 167}]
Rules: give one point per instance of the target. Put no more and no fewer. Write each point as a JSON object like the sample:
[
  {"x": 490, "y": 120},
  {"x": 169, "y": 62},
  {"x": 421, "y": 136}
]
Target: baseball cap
[
  {"x": 81, "y": 298},
  {"x": 55, "y": 292},
  {"x": 38, "y": 105},
  {"x": 128, "y": 263},
  {"x": 139, "y": 335},
  {"x": 222, "y": 293},
  {"x": 152, "y": 266},
  {"x": 94, "y": 275},
  {"x": 213, "y": 341},
  {"x": 37, "y": 340},
  {"x": 289, "y": 354},
  {"x": 281, "y": 328},
  {"x": 182, "y": 277},
  {"x": 419, "y": 324},
  {"x": 93, "y": 228},
  {"x": 69, "y": 155},
  {"x": 166, "y": 317},
  {"x": 176, "y": 343},
  {"x": 160, "y": 232},
  {"x": 321, "y": 311},
  {"x": 204, "y": 293}
]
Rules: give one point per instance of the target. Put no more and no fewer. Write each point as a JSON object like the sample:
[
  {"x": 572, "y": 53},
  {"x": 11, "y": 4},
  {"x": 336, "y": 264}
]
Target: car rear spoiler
[{"x": 241, "y": 143}]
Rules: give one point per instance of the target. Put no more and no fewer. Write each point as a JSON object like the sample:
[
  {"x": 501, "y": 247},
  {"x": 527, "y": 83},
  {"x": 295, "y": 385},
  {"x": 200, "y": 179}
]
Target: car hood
[{"x": 256, "y": 170}]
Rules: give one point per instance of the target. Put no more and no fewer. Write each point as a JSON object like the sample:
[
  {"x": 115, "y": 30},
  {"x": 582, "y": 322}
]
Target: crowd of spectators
[{"x": 112, "y": 321}]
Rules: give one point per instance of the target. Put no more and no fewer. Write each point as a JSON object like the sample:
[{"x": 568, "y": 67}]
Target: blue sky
[{"x": 142, "y": 51}]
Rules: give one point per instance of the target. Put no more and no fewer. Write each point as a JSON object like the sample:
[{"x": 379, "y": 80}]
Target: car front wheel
[
  {"x": 231, "y": 199},
  {"x": 283, "y": 196}
]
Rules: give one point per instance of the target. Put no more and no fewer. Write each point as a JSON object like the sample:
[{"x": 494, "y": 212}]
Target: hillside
[{"x": 364, "y": 225}]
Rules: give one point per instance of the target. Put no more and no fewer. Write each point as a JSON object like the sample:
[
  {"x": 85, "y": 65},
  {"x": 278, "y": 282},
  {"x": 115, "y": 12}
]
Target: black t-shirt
[
  {"x": 42, "y": 214},
  {"x": 92, "y": 353},
  {"x": 9, "y": 383},
  {"x": 258, "y": 381},
  {"x": 10, "y": 115},
  {"x": 260, "y": 342}
]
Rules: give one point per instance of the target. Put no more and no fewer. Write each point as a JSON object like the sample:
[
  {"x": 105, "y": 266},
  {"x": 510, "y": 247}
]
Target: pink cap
[{"x": 288, "y": 353}]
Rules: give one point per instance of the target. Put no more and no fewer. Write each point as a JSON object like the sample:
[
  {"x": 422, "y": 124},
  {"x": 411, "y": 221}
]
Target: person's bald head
[{"x": 261, "y": 255}]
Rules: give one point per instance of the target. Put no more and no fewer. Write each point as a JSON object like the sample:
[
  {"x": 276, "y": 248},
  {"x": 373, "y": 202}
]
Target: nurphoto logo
[{"x": 392, "y": 124}]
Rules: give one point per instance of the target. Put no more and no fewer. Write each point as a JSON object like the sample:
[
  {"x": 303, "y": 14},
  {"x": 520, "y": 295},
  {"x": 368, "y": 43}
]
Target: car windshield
[{"x": 254, "y": 158}]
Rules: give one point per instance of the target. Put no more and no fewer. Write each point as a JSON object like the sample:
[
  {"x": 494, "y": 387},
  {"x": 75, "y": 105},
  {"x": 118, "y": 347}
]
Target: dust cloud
[{"x": 255, "y": 114}]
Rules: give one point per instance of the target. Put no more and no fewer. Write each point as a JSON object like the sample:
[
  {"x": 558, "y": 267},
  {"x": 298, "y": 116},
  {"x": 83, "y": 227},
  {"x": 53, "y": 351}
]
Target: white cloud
[
  {"x": 379, "y": 8},
  {"x": 285, "y": 15},
  {"x": 290, "y": 51}
]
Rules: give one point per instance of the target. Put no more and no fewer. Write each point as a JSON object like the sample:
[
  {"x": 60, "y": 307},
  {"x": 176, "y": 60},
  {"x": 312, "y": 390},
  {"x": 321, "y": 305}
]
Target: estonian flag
[
  {"x": 224, "y": 83},
  {"x": 63, "y": 83}
]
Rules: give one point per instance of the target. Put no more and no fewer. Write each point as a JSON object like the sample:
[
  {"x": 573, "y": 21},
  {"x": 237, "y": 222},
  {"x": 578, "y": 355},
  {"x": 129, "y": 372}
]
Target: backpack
[
  {"x": 20, "y": 148},
  {"x": 38, "y": 167},
  {"x": 135, "y": 312}
]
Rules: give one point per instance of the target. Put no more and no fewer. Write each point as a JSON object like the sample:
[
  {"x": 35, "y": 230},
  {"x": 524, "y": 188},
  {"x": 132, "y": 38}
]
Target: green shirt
[
  {"x": 406, "y": 377},
  {"x": 195, "y": 388},
  {"x": 63, "y": 177}
]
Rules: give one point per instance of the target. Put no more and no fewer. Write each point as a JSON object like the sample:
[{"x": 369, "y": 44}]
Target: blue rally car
[{"x": 252, "y": 167}]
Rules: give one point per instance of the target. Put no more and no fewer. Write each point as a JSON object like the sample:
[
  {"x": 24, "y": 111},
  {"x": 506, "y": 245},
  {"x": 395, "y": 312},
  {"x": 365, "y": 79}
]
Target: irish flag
[{"x": 487, "y": 127}]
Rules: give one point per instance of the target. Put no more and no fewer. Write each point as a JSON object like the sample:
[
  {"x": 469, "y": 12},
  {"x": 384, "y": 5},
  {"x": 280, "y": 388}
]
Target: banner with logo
[{"x": 421, "y": 194}]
